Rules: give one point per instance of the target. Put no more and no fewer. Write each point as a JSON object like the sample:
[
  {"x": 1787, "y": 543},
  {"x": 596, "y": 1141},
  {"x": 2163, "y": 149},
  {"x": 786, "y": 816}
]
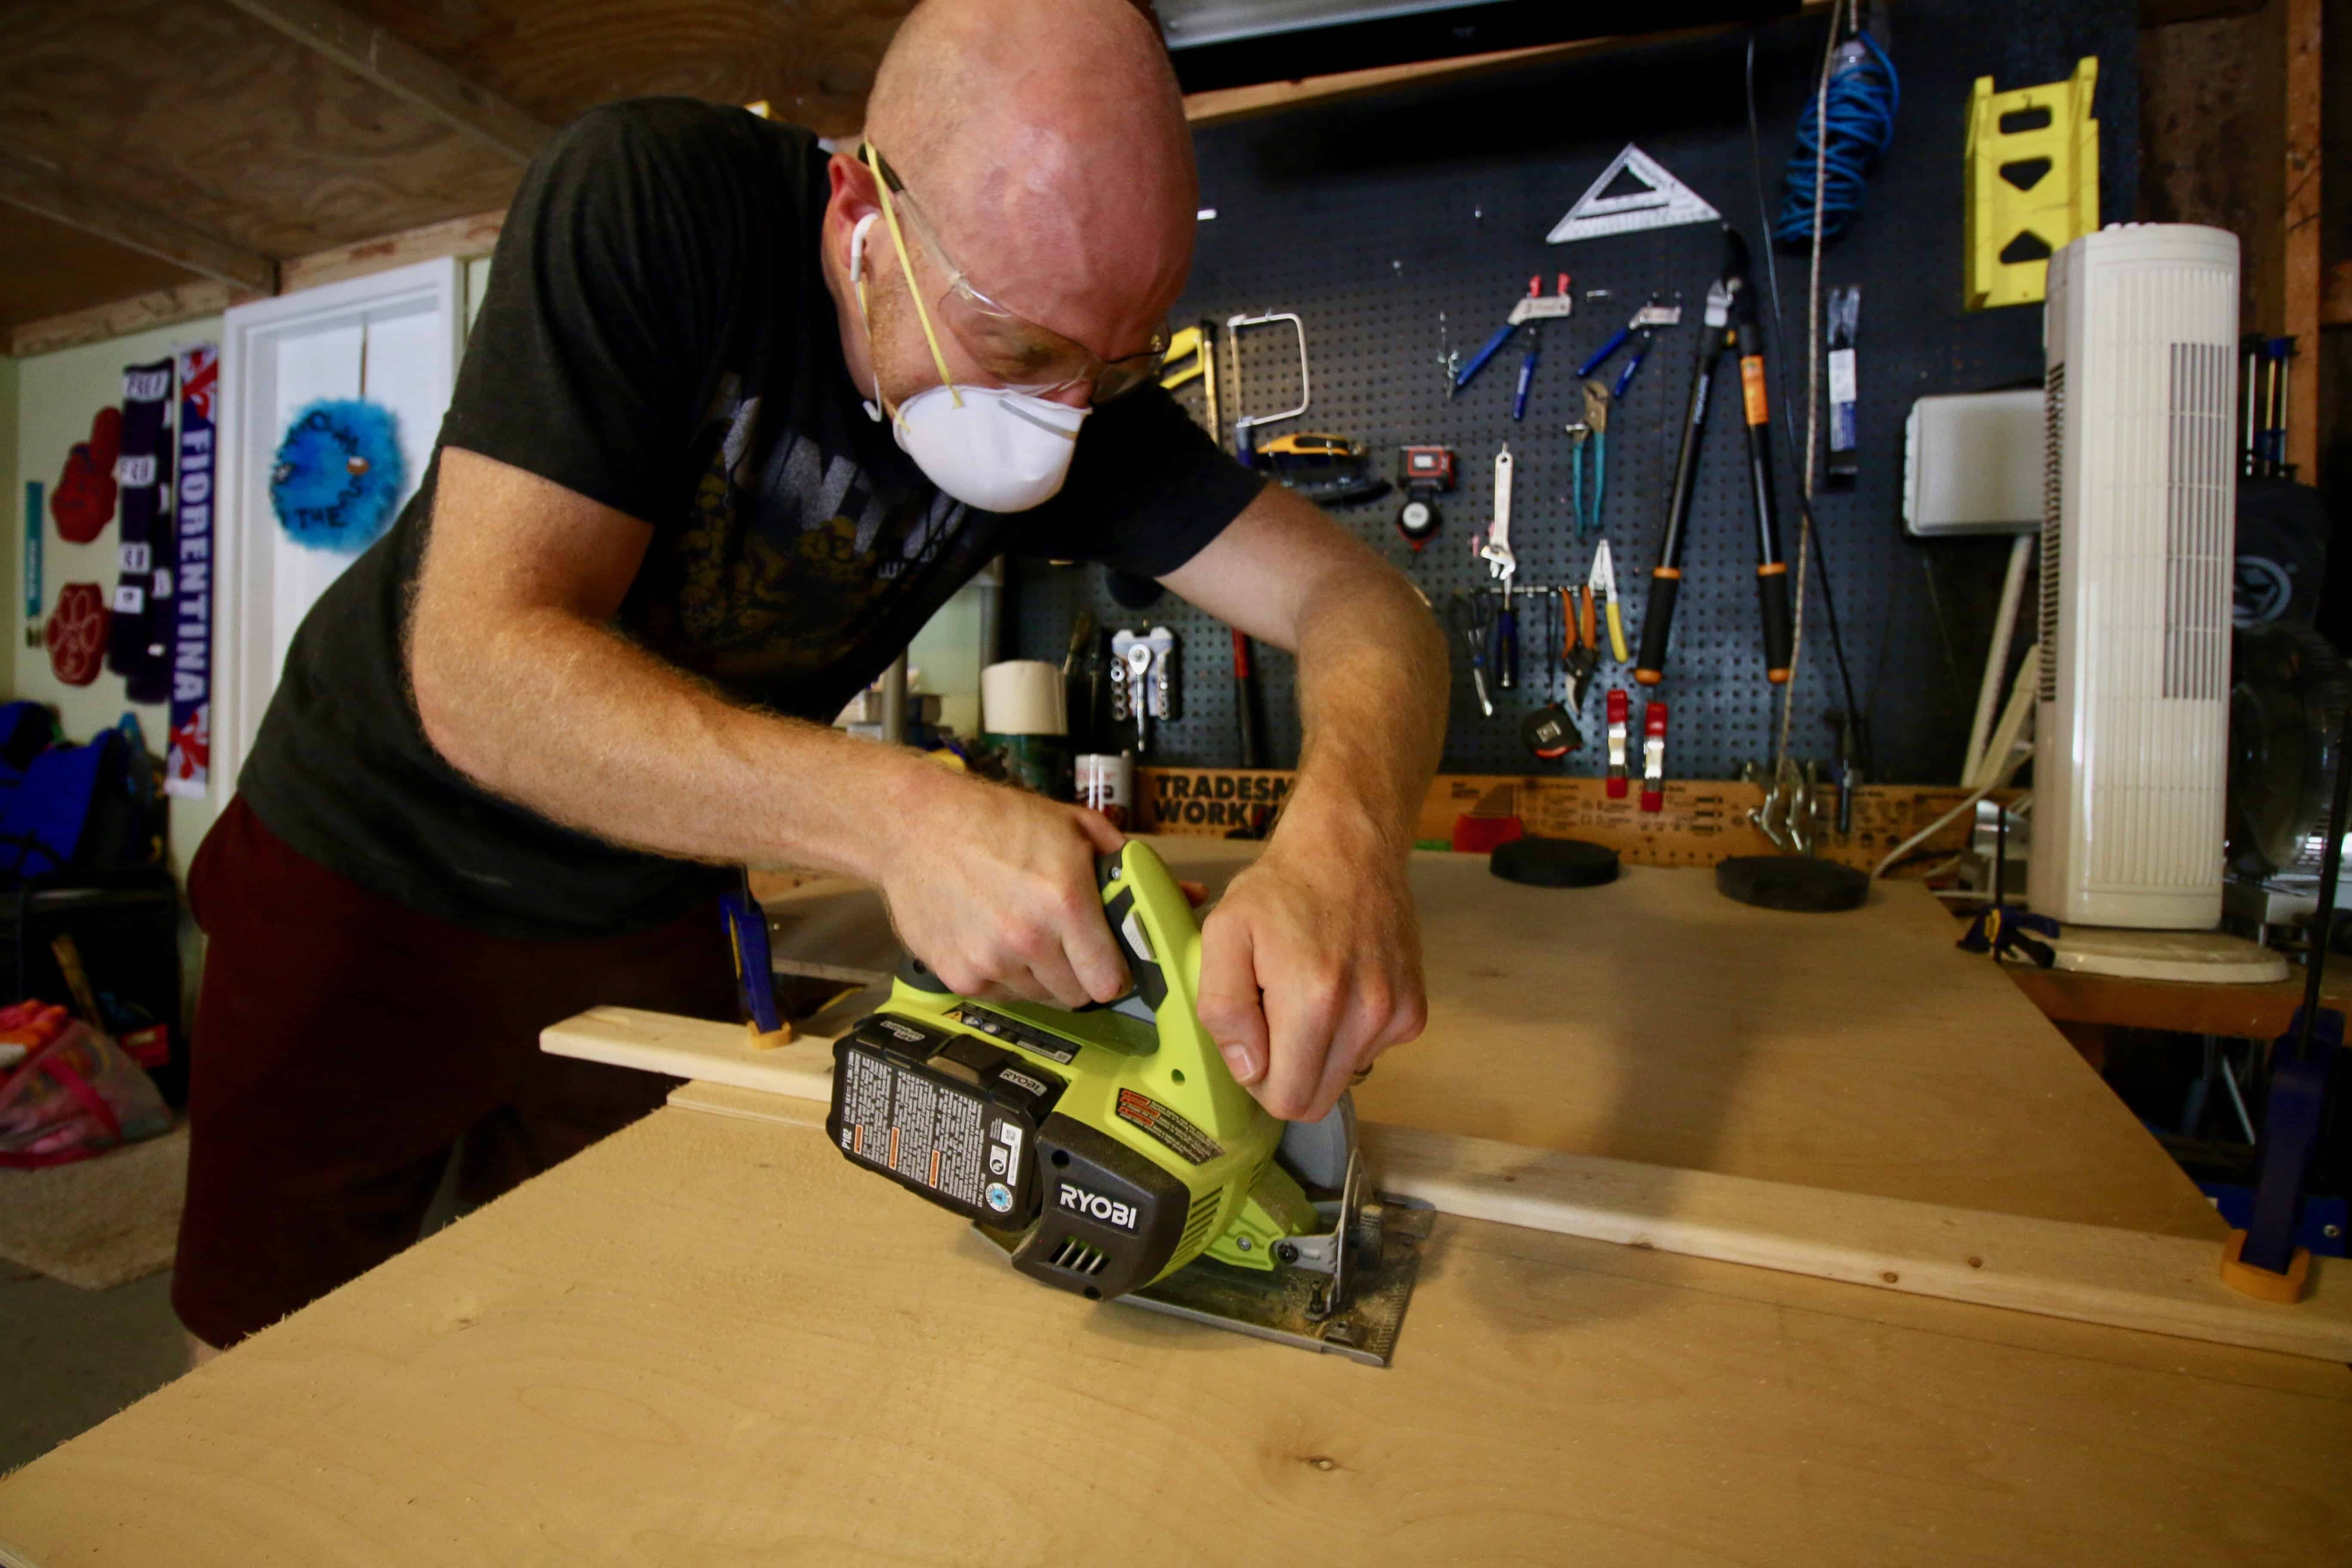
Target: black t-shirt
[{"x": 658, "y": 336}]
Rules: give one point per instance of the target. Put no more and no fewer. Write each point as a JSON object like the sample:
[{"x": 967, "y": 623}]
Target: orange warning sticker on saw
[
  {"x": 1165, "y": 1123},
  {"x": 1751, "y": 388}
]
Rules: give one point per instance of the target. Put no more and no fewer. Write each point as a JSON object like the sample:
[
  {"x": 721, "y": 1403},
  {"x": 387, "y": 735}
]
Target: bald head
[{"x": 1047, "y": 144}]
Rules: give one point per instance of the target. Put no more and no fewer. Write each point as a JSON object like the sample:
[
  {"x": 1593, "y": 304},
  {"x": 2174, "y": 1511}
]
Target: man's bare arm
[
  {"x": 1311, "y": 965},
  {"x": 522, "y": 684},
  {"x": 1372, "y": 671}
]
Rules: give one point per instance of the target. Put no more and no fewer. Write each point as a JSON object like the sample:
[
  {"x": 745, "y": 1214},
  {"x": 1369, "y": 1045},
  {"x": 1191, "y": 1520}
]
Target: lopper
[{"x": 1731, "y": 327}]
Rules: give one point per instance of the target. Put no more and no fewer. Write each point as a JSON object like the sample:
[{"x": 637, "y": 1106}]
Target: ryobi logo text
[{"x": 1093, "y": 1205}]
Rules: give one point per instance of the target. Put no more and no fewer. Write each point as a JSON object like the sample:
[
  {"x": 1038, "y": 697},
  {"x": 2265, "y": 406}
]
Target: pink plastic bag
[{"x": 79, "y": 1095}]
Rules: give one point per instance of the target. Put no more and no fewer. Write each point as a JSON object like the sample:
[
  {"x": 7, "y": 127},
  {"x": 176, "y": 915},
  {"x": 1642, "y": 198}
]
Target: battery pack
[{"x": 948, "y": 1115}]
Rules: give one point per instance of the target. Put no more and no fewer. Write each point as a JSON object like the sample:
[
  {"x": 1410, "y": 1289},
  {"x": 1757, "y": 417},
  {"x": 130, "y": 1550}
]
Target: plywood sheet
[
  {"x": 1655, "y": 1020},
  {"x": 711, "y": 1342}
]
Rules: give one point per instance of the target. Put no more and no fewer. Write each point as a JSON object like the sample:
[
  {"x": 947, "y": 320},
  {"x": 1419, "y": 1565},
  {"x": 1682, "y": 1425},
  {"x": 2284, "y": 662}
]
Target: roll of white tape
[{"x": 1022, "y": 696}]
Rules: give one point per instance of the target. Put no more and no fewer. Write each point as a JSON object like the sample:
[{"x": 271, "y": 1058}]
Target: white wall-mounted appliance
[{"x": 2131, "y": 748}]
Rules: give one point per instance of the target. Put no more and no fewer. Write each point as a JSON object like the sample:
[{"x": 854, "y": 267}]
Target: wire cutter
[
  {"x": 1600, "y": 589},
  {"x": 1535, "y": 306},
  {"x": 1645, "y": 323},
  {"x": 1583, "y": 611},
  {"x": 1468, "y": 619}
]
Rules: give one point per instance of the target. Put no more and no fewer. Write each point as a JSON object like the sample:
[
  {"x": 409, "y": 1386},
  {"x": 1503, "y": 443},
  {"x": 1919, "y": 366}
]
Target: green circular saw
[{"x": 1111, "y": 1152}]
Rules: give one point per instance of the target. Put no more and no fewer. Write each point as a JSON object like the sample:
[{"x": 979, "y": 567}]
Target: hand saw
[{"x": 1112, "y": 1154}]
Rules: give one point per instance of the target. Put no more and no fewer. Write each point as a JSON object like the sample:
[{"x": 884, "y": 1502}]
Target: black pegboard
[{"x": 1402, "y": 225}]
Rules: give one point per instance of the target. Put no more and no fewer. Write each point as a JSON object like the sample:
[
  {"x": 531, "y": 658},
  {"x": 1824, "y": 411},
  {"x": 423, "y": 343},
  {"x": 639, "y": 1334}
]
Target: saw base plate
[{"x": 1281, "y": 1306}]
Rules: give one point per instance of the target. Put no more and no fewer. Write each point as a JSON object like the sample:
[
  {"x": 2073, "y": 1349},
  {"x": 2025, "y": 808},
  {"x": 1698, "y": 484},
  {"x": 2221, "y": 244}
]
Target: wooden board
[
  {"x": 708, "y": 1341},
  {"x": 2124, "y": 1279},
  {"x": 696, "y": 1048},
  {"x": 1655, "y": 1020},
  {"x": 1700, "y": 822}
]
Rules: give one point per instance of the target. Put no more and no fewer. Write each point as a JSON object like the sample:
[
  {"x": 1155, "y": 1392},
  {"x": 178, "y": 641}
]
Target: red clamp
[
  {"x": 1654, "y": 757},
  {"x": 1620, "y": 713}
]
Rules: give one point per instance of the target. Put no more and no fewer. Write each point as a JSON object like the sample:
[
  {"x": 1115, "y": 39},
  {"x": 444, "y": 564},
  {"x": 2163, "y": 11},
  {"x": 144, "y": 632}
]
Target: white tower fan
[{"x": 2138, "y": 537}]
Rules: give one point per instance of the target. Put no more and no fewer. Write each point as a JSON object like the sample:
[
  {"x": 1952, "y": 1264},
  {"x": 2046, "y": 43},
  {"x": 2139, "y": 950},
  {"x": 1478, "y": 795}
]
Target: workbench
[{"x": 710, "y": 1339}]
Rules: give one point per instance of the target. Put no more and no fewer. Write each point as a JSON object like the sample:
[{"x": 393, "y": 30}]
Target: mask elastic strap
[{"x": 906, "y": 267}]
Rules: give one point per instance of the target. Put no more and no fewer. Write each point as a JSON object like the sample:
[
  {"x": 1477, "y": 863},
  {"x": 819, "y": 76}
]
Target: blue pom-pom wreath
[{"x": 339, "y": 475}]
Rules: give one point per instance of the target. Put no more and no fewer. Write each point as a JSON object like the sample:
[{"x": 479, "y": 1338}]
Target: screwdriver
[
  {"x": 1528, "y": 371},
  {"x": 1507, "y": 642}
]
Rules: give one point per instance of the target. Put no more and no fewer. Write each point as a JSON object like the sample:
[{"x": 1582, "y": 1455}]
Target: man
[{"x": 662, "y": 543}]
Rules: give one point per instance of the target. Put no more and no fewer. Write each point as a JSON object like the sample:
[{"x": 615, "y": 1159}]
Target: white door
[{"x": 393, "y": 339}]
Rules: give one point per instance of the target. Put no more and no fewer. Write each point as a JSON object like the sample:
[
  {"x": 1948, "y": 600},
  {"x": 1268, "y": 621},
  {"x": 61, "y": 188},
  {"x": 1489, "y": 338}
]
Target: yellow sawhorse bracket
[{"x": 2033, "y": 183}]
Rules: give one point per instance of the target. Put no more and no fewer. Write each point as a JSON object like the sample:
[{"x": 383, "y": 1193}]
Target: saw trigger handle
[
  {"x": 917, "y": 975},
  {"x": 1126, "y": 929}
]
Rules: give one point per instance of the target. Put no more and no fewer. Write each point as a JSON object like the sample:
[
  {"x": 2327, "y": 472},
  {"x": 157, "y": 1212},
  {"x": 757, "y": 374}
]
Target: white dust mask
[
  {"x": 1000, "y": 451},
  {"x": 991, "y": 448}
]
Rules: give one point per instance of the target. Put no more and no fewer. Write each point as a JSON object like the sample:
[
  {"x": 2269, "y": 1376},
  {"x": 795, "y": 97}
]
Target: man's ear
[
  {"x": 852, "y": 196},
  {"x": 852, "y": 193}
]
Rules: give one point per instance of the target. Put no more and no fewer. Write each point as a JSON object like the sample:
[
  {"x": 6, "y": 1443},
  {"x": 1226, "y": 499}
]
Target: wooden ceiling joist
[
  {"x": 39, "y": 189},
  {"x": 476, "y": 235},
  {"x": 367, "y": 50},
  {"x": 164, "y": 308}
]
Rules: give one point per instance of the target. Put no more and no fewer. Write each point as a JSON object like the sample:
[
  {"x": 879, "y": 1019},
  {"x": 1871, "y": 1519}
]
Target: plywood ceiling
[
  {"x": 200, "y": 113},
  {"x": 191, "y": 108},
  {"x": 812, "y": 60},
  {"x": 48, "y": 269},
  {"x": 231, "y": 136}
]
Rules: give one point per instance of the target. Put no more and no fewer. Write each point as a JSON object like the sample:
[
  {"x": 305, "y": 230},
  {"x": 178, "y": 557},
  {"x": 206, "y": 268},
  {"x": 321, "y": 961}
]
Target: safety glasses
[{"x": 1016, "y": 352}]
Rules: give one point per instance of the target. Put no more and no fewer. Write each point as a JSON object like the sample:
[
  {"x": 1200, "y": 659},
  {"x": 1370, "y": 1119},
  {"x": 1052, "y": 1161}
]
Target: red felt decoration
[
  {"x": 77, "y": 634},
  {"x": 83, "y": 502}
]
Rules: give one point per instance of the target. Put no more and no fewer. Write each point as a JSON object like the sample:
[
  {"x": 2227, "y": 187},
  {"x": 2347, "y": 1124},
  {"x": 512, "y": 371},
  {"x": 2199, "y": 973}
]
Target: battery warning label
[
  {"x": 1168, "y": 1126},
  {"x": 923, "y": 1130}
]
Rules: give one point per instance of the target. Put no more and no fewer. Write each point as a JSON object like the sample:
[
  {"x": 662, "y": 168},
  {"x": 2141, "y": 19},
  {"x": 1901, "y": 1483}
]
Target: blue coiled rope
[{"x": 1864, "y": 95}]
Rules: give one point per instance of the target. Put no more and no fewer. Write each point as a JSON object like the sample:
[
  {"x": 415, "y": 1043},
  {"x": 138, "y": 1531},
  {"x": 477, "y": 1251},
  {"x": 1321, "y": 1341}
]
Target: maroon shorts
[{"x": 345, "y": 1043}]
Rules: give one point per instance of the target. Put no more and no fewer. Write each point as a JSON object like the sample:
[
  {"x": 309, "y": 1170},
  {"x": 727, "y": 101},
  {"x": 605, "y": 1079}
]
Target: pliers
[
  {"x": 1591, "y": 430},
  {"x": 1580, "y": 650}
]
